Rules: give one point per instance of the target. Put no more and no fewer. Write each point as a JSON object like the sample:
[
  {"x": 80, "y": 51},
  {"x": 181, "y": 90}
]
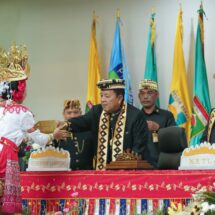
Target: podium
[
  {"x": 130, "y": 164},
  {"x": 129, "y": 161}
]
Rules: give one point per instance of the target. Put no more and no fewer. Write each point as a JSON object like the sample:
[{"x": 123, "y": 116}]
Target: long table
[{"x": 110, "y": 192}]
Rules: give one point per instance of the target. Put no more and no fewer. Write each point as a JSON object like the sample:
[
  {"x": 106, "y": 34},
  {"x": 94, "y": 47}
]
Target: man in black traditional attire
[
  {"x": 116, "y": 126},
  {"x": 79, "y": 144},
  {"x": 156, "y": 117}
]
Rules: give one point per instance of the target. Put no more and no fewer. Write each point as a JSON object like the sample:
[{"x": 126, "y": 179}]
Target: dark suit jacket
[
  {"x": 165, "y": 119},
  {"x": 81, "y": 150},
  {"x": 205, "y": 133},
  {"x": 136, "y": 130}
]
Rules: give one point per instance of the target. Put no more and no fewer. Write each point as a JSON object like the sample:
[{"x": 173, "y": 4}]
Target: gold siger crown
[{"x": 14, "y": 64}]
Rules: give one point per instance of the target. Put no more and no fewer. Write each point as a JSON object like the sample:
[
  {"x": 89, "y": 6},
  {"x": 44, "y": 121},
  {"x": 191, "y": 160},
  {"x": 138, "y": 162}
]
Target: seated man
[
  {"x": 79, "y": 145},
  {"x": 209, "y": 132},
  {"x": 156, "y": 117},
  {"x": 115, "y": 125}
]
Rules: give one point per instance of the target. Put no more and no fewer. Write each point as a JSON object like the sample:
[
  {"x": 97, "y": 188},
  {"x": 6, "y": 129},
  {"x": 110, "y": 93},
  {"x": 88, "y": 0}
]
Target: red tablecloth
[{"x": 168, "y": 184}]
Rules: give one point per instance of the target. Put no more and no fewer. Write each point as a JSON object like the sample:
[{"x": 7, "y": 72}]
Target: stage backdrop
[{"x": 57, "y": 33}]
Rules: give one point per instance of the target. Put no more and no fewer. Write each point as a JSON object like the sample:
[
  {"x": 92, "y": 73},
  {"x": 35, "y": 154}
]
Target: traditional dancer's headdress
[
  {"x": 13, "y": 67},
  {"x": 14, "y": 64}
]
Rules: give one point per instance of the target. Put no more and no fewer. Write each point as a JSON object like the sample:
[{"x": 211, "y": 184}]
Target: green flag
[
  {"x": 201, "y": 97},
  {"x": 151, "y": 67}
]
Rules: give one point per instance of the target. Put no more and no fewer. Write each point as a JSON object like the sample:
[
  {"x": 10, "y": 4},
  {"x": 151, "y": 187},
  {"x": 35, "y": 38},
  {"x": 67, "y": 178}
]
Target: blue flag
[{"x": 118, "y": 68}]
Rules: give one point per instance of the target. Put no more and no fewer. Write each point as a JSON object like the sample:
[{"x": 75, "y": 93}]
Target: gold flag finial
[
  {"x": 153, "y": 10},
  {"x": 118, "y": 13},
  {"x": 95, "y": 18},
  {"x": 180, "y": 6},
  {"x": 94, "y": 14}
]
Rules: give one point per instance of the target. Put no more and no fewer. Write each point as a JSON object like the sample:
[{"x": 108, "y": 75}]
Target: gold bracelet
[
  {"x": 69, "y": 126},
  {"x": 50, "y": 138}
]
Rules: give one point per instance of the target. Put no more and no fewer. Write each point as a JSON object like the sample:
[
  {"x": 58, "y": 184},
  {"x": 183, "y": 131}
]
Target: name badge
[{"x": 154, "y": 137}]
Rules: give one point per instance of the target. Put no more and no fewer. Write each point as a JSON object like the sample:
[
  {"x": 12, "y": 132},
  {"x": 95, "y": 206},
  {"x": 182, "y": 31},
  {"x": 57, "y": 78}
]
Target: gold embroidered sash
[
  {"x": 211, "y": 123},
  {"x": 103, "y": 137},
  {"x": 118, "y": 138}
]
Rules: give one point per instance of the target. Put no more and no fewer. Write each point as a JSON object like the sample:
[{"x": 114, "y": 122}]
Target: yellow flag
[
  {"x": 179, "y": 100},
  {"x": 93, "y": 93}
]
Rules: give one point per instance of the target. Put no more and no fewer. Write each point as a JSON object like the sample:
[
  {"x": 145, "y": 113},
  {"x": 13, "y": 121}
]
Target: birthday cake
[
  {"x": 198, "y": 157},
  {"x": 49, "y": 159}
]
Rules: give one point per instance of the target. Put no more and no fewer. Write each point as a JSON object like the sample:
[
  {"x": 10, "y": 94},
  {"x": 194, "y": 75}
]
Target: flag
[
  {"x": 201, "y": 97},
  {"x": 93, "y": 93},
  {"x": 118, "y": 68},
  {"x": 151, "y": 66},
  {"x": 179, "y": 101}
]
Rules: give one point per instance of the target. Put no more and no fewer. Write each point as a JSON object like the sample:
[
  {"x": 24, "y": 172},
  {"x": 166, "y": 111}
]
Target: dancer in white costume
[{"x": 16, "y": 121}]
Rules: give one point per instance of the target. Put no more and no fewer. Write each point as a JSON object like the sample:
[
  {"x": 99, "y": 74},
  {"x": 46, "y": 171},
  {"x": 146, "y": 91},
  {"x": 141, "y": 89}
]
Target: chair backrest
[
  {"x": 172, "y": 139},
  {"x": 172, "y": 142},
  {"x": 169, "y": 160}
]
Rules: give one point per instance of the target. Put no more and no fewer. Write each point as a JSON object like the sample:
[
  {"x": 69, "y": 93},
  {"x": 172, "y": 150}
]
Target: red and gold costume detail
[
  {"x": 9, "y": 172},
  {"x": 16, "y": 123}
]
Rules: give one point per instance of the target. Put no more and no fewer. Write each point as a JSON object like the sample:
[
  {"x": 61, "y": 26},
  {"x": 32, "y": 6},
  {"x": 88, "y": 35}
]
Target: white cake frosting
[
  {"x": 199, "y": 157},
  {"x": 49, "y": 159}
]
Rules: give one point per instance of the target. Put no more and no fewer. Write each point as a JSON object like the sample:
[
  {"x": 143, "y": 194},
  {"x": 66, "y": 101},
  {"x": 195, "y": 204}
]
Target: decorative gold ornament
[
  {"x": 125, "y": 156},
  {"x": 72, "y": 104},
  {"x": 14, "y": 64},
  {"x": 150, "y": 84},
  {"x": 111, "y": 84}
]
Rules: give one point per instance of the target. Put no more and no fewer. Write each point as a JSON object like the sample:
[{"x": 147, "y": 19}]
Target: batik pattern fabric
[
  {"x": 9, "y": 169},
  {"x": 103, "y": 137}
]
